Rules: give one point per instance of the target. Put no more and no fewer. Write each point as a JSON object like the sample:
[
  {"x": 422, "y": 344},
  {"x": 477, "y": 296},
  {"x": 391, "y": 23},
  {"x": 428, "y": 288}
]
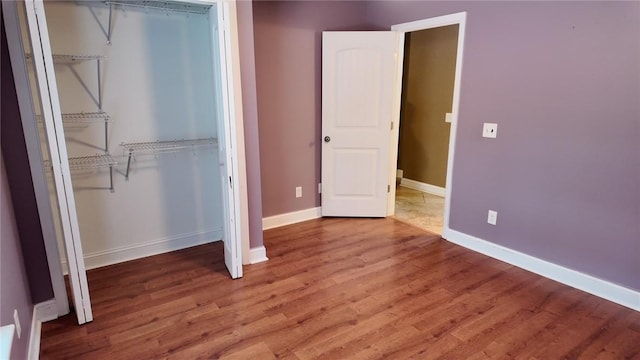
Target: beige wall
[{"x": 426, "y": 97}]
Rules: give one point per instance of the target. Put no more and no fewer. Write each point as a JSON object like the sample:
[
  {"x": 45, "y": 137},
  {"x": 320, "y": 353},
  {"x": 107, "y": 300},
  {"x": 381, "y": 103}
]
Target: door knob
[{"x": 327, "y": 139}]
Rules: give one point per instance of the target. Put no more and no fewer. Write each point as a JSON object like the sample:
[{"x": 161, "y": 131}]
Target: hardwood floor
[{"x": 340, "y": 289}]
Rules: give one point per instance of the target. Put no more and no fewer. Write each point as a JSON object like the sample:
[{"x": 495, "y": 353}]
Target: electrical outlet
[
  {"x": 492, "y": 217},
  {"x": 298, "y": 191},
  {"x": 489, "y": 130},
  {"x": 16, "y": 321}
]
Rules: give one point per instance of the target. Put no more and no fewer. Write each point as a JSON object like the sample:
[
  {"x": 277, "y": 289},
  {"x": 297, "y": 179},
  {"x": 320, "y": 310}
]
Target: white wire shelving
[
  {"x": 87, "y": 162},
  {"x": 82, "y": 117},
  {"x": 165, "y": 6},
  {"x": 163, "y": 146},
  {"x": 91, "y": 162},
  {"x": 70, "y": 59}
]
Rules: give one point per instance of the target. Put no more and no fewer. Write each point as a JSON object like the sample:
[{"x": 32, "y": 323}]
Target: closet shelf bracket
[{"x": 74, "y": 59}]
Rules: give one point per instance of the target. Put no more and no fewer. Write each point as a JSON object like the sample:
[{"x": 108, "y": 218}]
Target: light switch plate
[
  {"x": 492, "y": 217},
  {"x": 489, "y": 130},
  {"x": 447, "y": 117}
]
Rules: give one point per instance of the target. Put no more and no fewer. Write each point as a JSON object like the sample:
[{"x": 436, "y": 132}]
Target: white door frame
[
  {"x": 446, "y": 20},
  {"x": 234, "y": 134}
]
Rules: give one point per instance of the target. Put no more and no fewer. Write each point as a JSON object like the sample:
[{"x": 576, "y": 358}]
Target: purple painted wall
[
  {"x": 287, "y": 38},
  {"x": 250, "y": 114},
  {"x": 562, "y": 80},
  {"x": 21, "y": 186},
  {"x": 14, "y": 288}
]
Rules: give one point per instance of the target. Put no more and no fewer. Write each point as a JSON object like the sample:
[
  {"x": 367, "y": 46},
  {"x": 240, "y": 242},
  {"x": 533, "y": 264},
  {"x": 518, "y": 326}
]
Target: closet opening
[{"x": 135, "y": 125}]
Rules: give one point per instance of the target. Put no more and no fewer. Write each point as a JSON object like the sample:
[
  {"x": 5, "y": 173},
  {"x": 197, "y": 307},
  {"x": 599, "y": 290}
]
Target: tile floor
[{"x": 420, "y": 209}]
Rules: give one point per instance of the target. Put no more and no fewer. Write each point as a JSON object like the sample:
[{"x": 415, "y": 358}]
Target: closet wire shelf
[
  {"x": 70, "y": 59},
  {"x": 165, "y": 146},
  {"x": 82, "y": 117},
  {"x": 87, "y": 162},
  {"x": 163, "y": 5}
]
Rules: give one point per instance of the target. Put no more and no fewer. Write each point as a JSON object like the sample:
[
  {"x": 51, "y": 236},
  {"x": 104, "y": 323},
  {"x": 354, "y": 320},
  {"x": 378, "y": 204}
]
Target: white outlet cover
[
  {"x": 299, "y": 191},
  {"x": 490, "y": 130}
]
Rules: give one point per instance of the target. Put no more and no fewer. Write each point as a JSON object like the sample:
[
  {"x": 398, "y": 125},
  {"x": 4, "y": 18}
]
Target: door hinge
[
  {"x": 319, "y": 188},
  {"x": 392, "y": 125},
  {"x": 388, "y": 188}
]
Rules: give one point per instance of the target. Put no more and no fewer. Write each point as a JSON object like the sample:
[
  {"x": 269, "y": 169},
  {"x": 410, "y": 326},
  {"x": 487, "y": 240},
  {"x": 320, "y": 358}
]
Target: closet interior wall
[{"x": 155, "y": 84}]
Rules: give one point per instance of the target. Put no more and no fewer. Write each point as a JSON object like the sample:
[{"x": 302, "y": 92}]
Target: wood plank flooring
[{"x": 340, "y": 289}]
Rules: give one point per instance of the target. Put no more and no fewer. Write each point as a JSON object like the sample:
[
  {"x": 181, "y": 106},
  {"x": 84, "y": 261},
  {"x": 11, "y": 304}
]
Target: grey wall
[
  {"x": 287, "y": 39},
  {"x": 562, "y": 80}
]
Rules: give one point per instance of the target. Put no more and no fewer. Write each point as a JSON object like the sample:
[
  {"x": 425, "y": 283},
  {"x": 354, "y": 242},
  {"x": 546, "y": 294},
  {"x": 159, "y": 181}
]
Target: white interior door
[
  {"x": 222, "y": 54},
  {"x": 359, "y": 76},
  {"x": 51, "y": 113}
]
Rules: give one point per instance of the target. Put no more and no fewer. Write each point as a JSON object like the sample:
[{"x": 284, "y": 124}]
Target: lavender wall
[
  {"x": 562, "y": 80},
  {"x": 250, "y": 117},
  {"x": 287, "y": 39},
  {"x": 14, "y": 288},
  {"x": 21, "y": 185}
]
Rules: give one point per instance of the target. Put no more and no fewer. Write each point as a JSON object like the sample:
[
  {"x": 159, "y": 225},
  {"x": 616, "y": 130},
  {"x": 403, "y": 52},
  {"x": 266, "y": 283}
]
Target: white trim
[
  {"x": 42, "y": 312},
  {"x": 154, "y": 247},
  {"x": 394, "y": 137},
  {"x": 598, "y": 287},
  {"x": 234, "y": 138},
  {"x": 424, "y": 187},
  {"x": 434, "y": 22},
  {"x": 460, "y": 19},
  {"x": 291, "y": 218},
  {"x": 258, "y": 255}
]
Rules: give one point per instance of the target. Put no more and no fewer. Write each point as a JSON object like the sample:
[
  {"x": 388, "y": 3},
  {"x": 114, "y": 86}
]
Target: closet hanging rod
[{"x": 163, "y": 5}]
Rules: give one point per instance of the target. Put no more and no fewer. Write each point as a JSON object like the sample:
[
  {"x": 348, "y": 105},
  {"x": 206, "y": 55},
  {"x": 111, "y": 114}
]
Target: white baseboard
[
  {"x": 291, "y": 218},
  {"x": 42, "y": 312},
  {"x": 427, "y": 188},
  {"x": 159, "y": 246},
  {"x": 258, "y": 255},
  {"x": 598, "y": 287}
]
